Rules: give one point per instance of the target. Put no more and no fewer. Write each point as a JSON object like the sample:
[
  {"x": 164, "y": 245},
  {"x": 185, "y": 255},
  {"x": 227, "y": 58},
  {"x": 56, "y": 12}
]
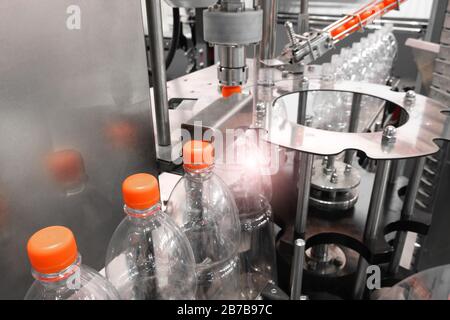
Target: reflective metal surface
[
  {"x": 191, "y": 3},
  {"x": 426, "y": 123},
  {"x": 84, "y": 91},
  {"x": 158, "y": 67}
]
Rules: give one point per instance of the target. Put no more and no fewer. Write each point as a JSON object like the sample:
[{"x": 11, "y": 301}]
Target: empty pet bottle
[
  {"x": 204, "y": 208},
  {"x": 244, "y": 170},
  {"x": 149, "y": 257},
  {"x": 58, "y": 270}
]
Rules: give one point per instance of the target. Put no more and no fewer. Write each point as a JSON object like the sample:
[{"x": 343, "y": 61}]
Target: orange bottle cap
[
  {"x": 228, "y": 91},
  {"x": 198, "y": 154},
  {"x": 52, "y": 249},
  {"x": 140, "y": 191}
]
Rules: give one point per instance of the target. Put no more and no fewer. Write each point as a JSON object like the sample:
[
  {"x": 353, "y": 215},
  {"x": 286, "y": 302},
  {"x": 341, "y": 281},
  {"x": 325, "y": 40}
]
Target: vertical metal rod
[
  {"x": 155, "y": 33},
  {"x": 330, "y": 163},
  {"x": 298, "y": 262},
  {"x": 270, "y": 15},
  {"x": 303, "y": 17},
  {"x": 407, "y": 212},
  {"x": 377, "y": 200},
  {"x": 303, "y": 85},
  {"x": 353, "y": 125},
  {"x": 372, "y": 223},
  {"x": 305, "y": 164},
  {"x": 320, "y": 252},
  {"x": 302, "y": 101}
]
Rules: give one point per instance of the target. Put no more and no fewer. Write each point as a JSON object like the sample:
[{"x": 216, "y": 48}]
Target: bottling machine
[{"x": 77, "y": 118}]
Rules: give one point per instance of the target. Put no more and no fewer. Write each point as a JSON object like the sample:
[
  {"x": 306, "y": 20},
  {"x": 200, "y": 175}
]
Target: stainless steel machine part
[
  {"x": 305, "y": 166},
  {"x": 303, "y": 17},
  {"x": 270, "y": 17},
  {"x": 334, "y": 185},
  {"x": 353, "y": 125},
  {"x": 190, "y": 3},
  {"x": 427, "y": 121},
  {"x": 231, "y": 27},
  {"x": 158, "y": 66},
  {"x": 407, "y": 212},
  {"x": 372, "y": 224},
  {"x": 298, "y": 262},
  {"x": 69, "y": 89}
]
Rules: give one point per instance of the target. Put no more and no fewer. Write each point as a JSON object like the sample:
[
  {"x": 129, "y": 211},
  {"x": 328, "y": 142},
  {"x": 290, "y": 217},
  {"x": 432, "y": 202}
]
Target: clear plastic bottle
[
  {"x": 58, "y": 270},
  {"x": 203, "y": 206},
  {"x": 149, "y": 257},
  {"x": 244, "y": 175}
]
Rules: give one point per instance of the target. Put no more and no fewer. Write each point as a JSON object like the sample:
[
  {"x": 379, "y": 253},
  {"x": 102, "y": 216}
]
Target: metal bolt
[
  {"x": 308, "y": 121},
  {"x": 378, "y": 126},
  {"x": 304, "y": 83},
  {"x": 389, "y": 134},
  {"x": 260, "y": 106},
  {"x": 410, "y": 97},
  {"x": 411, "y": 94},
  {"x": 273, "y": 291},
  {"x": 334, "y": 177},
  {"x": 348, "y": 169}
]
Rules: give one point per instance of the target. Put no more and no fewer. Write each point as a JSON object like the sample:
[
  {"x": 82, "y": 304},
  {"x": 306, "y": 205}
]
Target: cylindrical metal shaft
[
  {"x": 155, "y": 33},
  {"x": 298, "y": 262},
  {"x": 353, "y": 125},
  {"x": 305, "y": 164},
  {"x": 407, "y": 212},
  {"x": 268, "y": 42},
  {"x": 372, "y": 223},
  {"x": 303, "y": 17}
]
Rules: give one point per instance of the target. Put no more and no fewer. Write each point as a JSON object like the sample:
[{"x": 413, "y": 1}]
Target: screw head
[
  {"x": 348, "y": 169},
  {"x": 304, "y": 83},
  {"x": 410, "y": 98},
  {"x": 389, "y": 134},
  {"x": 410, "y": 94},
  {"x": 334, "y": 177}
]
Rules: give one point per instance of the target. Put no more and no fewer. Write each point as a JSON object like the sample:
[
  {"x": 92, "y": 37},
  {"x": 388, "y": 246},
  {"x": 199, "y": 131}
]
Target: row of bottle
[
  {"x": 190, "y": 251},
  {"x": 369, "y": 60}
]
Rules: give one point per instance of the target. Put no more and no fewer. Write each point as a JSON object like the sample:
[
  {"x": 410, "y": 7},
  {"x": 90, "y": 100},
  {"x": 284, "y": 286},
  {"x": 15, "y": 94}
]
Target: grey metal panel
[
  {"x": 447, "y": 20},
  {"x": 85, "y": 90},
  {"x": 442, "y": 67},
  {"x": 440, "y": 95},
  {"x": 444, "y": 53},
  {"x": 441, "y": 82},
  {"x": 445, "y": 36}
]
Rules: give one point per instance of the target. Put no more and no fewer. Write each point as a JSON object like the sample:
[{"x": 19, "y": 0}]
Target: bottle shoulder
[{"x": 84, "y": 284}]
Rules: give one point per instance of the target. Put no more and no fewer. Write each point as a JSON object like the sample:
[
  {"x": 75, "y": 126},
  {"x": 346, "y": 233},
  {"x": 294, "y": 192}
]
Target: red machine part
[{"x": 366, "y": 15}]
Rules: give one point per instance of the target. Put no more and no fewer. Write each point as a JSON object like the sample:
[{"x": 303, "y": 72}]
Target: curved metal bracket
[{"x": 426, "y": 123}]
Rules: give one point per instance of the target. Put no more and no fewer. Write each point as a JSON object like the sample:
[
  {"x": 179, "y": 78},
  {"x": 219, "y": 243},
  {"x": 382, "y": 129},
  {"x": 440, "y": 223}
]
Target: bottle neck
[
  {"x": 58, "y": 277},
  {"x": 142, "y": 214},
  {"x": 199, "y": 174}
]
